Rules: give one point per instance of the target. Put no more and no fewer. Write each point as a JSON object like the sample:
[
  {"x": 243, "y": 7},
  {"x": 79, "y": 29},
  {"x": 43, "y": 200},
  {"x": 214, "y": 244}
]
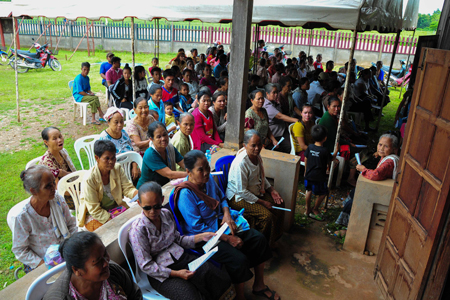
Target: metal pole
[
  {"x": 407, "y": 61},
  {"x": 88, "y": 26},
  {"x": 341, "y": 117},
  {"x": 397, "y": 38},
  {"x": 157, "y": 40},
  {"x": 132, "y": 59},
  {"x": 15, "y": 68},
  {"x": 255, "y": 51},
  {"x": 309, "y": 42}
]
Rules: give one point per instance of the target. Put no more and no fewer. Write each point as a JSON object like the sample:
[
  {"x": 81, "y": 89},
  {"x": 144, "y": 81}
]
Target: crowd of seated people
[{"x": 179, "y": 114}]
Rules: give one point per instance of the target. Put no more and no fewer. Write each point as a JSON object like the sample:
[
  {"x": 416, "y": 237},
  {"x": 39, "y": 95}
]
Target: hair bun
[
  {"x": 22, "y": 175},
  {"x": 127, "y": 65}
]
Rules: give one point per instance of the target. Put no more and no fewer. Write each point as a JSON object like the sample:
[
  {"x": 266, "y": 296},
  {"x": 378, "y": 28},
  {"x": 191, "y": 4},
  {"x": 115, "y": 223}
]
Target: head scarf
[{"x": 110, "y": 112}]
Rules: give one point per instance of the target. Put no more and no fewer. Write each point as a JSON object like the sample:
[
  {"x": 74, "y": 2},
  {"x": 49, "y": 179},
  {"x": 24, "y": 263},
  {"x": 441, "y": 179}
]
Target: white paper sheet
[
  {"x": 215, "y": 240},
  {"x": 279, "y": 142},
  {"x": 195, "y": 264}
]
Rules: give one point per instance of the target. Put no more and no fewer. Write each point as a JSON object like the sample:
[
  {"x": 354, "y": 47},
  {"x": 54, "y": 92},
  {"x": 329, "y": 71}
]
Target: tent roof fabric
[{"x": 381, "y": 15}]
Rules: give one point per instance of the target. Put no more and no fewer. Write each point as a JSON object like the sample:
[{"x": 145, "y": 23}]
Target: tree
[{"x": 423, "y": 21}]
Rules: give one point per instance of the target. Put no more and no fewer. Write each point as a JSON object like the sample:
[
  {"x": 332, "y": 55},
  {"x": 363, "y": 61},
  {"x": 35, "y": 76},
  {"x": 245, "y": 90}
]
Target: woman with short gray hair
[{"x": 44, "y": 220}]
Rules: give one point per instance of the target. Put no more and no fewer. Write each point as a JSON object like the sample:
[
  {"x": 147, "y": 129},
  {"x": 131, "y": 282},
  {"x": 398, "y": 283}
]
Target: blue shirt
[
  {"x": 153, "y": 162},
  {"x": 219, "y": 68},
  {"x": 381, "y": 75},
  {"x": 80, "y": 84},
  {"x": 197, "y": 215},
  {"x": 161, "y": 110},
  {"x": 104, "y": 67},
  {"x": 184, "y": 103},
  {"x": 123, "y": 144}
]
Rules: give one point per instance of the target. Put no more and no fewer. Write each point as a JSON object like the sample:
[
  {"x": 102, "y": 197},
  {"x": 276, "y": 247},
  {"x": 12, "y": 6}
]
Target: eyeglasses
[{"x": 155, "y": 207}]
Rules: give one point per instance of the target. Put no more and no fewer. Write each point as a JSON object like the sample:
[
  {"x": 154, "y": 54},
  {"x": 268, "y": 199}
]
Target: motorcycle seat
[{"x": 30, "y": 54}]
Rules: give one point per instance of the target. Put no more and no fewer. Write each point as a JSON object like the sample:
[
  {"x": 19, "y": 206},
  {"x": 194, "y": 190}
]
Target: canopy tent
[{"x": 380, "y": 15}]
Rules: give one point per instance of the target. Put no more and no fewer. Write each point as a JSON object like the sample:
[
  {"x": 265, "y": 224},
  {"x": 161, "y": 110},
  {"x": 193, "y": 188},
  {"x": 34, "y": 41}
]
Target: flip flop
[
  {"x": 262, "y": 293},
  {"x": 102, "y": 120},
  {"x": 315, "y": 217},
  {"x": 95, "y": 123}
]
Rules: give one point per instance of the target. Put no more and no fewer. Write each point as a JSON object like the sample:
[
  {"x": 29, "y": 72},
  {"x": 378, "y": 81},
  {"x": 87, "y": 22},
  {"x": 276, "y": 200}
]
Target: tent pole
[
  {"x": 17, "y": 29},
  {"x": 397, "y": 39},
  {"x": 15, "y": 67},
  {"x": 78, "y": 45},
  {"x": 132, "y": 59},
  {"x": 88, "y": 26},
  {"x": 157, "y": 40},
  {"x": 341, "y": 117},
  {"x": 309, "y": 42},
  {"x": 407, "y": 61}
]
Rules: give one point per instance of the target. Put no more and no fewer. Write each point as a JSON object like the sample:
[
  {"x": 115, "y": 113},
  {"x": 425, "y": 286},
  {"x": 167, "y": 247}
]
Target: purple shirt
[
  {"x": 113, "y": 75},
  {"x": 153, "y": 250}
]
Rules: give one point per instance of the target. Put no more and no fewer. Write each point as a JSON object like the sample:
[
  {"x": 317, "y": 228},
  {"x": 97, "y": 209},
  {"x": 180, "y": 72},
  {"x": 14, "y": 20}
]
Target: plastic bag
[
  {"x": 52, "y": 256},
  {"x": 239, "y": 220}
]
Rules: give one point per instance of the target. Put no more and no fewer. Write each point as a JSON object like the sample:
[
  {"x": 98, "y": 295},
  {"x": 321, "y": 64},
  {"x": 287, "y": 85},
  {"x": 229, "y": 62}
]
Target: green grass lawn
[{"x": 48, "y": 88}]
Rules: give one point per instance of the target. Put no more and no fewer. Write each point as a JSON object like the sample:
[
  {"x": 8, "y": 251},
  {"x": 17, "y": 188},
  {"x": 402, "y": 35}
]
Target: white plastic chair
[
  {"x": 88, "y": 146},
  {"x": 292, "y": 142},
  {"x": 14, "y": 211},
  {"x": 340, "y": 170},
  {"x": 40, "y": 286},
  {"x": 132, "y": 114},
  {"x": 83, "y": 105},
  {"x": 125, "y": 111},
  {"x": 71, "y": 183},
  {"x": 140, "y": 278},
  {"x": 33, "y": 162},
  {"x": 125, "y": 160},
  {"x": 191, "y": 142}
]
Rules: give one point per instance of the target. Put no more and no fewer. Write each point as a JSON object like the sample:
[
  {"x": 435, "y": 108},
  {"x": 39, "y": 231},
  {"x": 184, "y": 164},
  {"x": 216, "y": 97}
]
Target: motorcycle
[
  {"x": 398, "y": 77},
  {"x": 27, "y": 60},
  {"x": 283, "y": 52},
  {"x": 3, "y": 57}
]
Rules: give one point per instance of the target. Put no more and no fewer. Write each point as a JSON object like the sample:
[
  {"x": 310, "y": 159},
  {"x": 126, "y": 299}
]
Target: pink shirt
[
  {"x": 153, "y": 250},
  {"x": 113, "y": 75}
]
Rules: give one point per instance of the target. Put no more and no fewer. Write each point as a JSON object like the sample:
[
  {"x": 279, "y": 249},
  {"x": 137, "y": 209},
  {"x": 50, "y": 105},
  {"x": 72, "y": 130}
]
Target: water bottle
[{"x": 208, "y": 156}]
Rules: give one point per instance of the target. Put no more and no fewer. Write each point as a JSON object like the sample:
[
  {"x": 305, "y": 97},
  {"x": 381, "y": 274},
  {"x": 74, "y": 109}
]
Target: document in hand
[
  {"x": 215, "y": 240},
  {"x": 195, "y": 264}
]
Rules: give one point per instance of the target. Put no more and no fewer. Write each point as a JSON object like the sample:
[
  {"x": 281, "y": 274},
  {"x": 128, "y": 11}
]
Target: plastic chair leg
[{"x": 84, "y": 114}]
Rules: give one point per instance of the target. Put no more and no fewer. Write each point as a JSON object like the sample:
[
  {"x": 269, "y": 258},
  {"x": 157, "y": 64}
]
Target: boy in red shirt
[
  {"x": 318, "y": 63},
  {"x": 169, "y": 93}
]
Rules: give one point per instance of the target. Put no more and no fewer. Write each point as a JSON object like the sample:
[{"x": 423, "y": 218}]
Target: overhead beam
[{"x": 240, "y": 55}]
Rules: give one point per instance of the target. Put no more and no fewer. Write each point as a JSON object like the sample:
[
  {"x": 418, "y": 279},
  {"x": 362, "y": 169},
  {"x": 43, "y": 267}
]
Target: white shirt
[
  {"x": 33, "y": 233},
  {"x": 244, "y": 180}
]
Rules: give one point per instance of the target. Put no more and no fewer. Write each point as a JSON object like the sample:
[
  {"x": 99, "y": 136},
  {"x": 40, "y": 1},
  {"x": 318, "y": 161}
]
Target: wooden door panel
[
  {"x": 419, "y": 202},
  {"x": 430, "y": 92},
  {"x": 439, "y": 148},
  {"x": 410, "y": 194}
]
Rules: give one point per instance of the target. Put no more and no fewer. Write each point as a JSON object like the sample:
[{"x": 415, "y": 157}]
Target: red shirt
[
  {"x": 166, "y": 96},
  {"x": 317, "y": 65}
]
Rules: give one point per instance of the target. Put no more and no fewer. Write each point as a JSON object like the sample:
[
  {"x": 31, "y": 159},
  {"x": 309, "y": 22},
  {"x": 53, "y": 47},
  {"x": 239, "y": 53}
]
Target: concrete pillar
[{"x": 240, "y": 54}]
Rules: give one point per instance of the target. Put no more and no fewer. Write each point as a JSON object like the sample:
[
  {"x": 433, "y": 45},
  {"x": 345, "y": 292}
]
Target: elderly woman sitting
[
  {"x": 181, "y": 139},
  {"x": 45, "y": 220},
  {"x": 248, "y": 188},
  {"x": 386, "y": 169},
  {"x": 161, "y": 158},
  {"x": 56, "y": 158},
  {"x": 90, "y": 274},
  {"x": 103, "y": 189},
  {"x": 159, "y": 251},
  {"x": 118, "y": 136},
  {"x": 200, "y": 206}
]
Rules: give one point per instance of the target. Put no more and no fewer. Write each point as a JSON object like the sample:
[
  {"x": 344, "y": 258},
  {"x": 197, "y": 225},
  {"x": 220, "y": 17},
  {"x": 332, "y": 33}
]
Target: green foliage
[{"x": 429, "y": 22}]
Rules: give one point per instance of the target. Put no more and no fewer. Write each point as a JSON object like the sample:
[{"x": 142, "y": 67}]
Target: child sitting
[
  {"x": 156, "y": 78},
  {"x": 317, "y": 159},
  {"x": 155, "y": 63},
  {"x": 192, "y": 85},
  {"x": 170, "y": 118},
  {"x": 186, "y": 100}
]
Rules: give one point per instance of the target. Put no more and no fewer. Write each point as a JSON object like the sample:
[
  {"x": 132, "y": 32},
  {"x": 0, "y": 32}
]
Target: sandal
[
  {"x": 262, "y": 293},
  {"x": 315, "y": 217},
  {"x": 102, "y": 120},
  {"x": 95, "y": 123}
]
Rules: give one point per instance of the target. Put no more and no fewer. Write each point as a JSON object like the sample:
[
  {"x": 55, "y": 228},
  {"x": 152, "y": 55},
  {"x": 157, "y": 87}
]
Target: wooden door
[{"x": 419, "y": 203}]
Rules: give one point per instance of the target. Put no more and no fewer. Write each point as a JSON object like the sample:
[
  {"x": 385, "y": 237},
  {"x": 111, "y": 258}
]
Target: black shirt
[{"x": 317, "y": 162}]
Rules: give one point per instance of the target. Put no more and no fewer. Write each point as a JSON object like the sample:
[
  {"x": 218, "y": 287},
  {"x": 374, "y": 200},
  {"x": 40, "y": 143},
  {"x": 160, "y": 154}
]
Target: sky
[{"x": 429, "y": 6}]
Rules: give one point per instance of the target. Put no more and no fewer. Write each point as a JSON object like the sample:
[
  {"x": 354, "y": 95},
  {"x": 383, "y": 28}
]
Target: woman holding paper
[
  {"x": 159, "y": 251},
  {"x": 200, "y": 206},
  {"x": 248, "y": 188}
]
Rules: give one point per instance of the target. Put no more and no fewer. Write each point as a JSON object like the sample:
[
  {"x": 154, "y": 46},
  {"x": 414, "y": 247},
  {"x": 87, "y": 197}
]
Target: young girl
[
  {"x": 212, "y": 53},
  {"x": 170, "y": 118},
  {"x": 199, "y": 67},
  {"x": 140, "y": 82},
  {"x": 122, "y": 90},
  {"x": 192, "y": 84}
]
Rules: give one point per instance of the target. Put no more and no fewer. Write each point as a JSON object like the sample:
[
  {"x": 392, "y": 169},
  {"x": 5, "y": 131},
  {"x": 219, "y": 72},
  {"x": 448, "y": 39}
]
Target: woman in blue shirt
[
  {"x": 155, "y": 103},
  {"x": 201, "y": 206},
  {"x": 160, "y": 158}
]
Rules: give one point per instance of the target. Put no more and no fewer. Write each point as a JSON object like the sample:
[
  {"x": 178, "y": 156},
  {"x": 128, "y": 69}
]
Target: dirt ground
[{"x": 35, "y": 117}]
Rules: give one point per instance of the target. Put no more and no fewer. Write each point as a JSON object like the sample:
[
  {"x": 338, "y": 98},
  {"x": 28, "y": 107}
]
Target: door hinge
[{"x": 425, "y": 50}]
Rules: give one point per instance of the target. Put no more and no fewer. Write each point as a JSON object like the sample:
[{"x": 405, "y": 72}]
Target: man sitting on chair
[{"x": 82, "y": 92}]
